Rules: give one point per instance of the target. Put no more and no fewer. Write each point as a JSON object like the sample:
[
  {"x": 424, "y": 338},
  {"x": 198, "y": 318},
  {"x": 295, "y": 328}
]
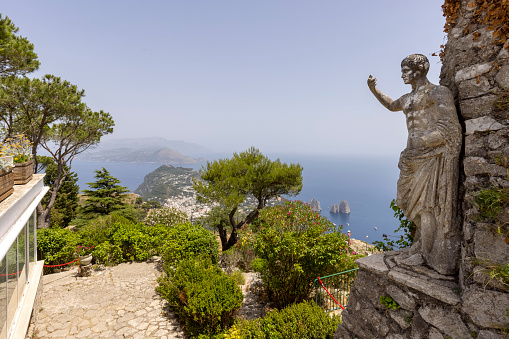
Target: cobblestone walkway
[{"x": 116, "y": 302}]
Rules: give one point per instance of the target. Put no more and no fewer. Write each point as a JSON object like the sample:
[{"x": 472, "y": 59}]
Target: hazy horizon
[{"x": 287, "y": 76}]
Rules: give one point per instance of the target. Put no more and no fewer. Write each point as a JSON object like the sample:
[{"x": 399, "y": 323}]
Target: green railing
[{"x": 338, "y": 285}]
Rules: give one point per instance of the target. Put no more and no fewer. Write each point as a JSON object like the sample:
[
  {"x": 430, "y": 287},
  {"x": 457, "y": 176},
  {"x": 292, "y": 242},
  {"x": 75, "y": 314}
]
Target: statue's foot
[{"x": 413, "y": 260}]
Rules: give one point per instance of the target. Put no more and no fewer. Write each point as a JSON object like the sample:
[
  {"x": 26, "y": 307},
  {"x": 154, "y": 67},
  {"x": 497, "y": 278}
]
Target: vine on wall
[{"x": 492, "y": 13}]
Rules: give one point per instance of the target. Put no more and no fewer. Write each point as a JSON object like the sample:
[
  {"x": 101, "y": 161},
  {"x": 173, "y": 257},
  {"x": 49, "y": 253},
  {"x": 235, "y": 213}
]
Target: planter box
[
  {"x": 6, "y": 184},
  {"x": 23, "y": 172}
]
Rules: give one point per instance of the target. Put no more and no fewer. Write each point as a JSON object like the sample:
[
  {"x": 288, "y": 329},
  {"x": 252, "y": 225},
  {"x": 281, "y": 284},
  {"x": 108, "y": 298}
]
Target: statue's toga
[{"x": 428, "y": 181}]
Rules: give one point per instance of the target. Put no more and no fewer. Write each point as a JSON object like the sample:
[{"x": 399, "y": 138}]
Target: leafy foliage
[
  {"x": 167, "y": 216},
  {"x": 57, "y": 246},
  {"x": 116, "y": 239},
  {"x": 406, "y": 226},
  {"x": 204, "y": 298},
  {"x": 17, "y": 56},
  {"x": 105, "y": 198},
  {"x": 389, "y": 303},
  {"x": 490, "y": 201},
  {"x": 227, "y": 182},
  {"x": 295, "y": 245},
  {"x": 51, "y": 113},
  {"x": 495, "y": 271},
  {"x": 299, "y": 321},
  {"x": 185, "y": 241}
]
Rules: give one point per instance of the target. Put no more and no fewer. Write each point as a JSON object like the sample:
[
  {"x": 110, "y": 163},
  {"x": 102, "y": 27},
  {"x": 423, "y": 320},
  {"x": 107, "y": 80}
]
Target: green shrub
[
  {"x": 57, "y": 245},
  {"x": 389, "y": 303},
  {"x": 108, "y": 254},
  {"x": 298, "y": 321},
  {"x": 295, "y": 245},
  {"x": 98, "y": 230},
  {"x": 204, "y": 298},
  {"x": 117, "y": 239},
  {"x": 133, "y": 242},
  {"x": 238, "y": 276},
  {"x": 187, "y": 241}
]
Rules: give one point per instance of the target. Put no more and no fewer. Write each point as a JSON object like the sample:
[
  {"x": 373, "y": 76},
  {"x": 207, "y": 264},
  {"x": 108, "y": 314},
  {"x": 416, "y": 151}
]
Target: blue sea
[{"x": 367, "y": 183}]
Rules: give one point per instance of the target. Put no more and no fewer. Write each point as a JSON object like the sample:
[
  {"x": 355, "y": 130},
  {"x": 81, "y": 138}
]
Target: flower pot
[
  {"x": 6, "y": 184},
  {"x": 85, "y": 260},
  {"x": 23, "y": 172}
]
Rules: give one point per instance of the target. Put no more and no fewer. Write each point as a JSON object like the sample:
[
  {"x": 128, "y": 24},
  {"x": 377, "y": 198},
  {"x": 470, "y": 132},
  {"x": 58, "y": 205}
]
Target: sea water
[{"x": 367, "y": 183}]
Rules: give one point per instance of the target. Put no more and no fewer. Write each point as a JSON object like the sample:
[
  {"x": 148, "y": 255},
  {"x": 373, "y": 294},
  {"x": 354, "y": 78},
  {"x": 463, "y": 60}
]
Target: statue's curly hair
[{"x": 416, "y": 62}]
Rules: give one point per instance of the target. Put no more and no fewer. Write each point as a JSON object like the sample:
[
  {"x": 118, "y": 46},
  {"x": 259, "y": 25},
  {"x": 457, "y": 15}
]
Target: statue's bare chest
[{"x": 420, "y": 111}]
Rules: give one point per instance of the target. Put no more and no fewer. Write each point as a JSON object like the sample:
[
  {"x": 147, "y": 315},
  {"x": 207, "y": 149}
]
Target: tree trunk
[{"x": 44, "y": 218}]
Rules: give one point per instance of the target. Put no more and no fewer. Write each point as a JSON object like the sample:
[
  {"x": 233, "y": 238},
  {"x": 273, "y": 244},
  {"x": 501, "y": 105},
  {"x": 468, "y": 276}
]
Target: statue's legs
[{"x": 428, "y": 235}]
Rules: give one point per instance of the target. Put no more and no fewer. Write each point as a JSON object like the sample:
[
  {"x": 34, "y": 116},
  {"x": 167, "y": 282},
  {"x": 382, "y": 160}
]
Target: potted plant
[
  {"x": 84, "y": 255},
  {"x": 6, "y": 177},
  {"x": 20, "y": 148}
]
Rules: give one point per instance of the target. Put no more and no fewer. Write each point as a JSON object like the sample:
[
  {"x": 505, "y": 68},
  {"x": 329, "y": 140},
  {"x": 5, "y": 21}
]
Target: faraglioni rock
[
  {"x": 315, "y": 205},
  {"x": 344, "y": 207},
  {"x": 334, "y": 208}
]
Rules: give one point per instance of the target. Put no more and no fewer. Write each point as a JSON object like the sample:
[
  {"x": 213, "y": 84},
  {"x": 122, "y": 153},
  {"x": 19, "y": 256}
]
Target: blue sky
[{"x": 284, "y": 76}]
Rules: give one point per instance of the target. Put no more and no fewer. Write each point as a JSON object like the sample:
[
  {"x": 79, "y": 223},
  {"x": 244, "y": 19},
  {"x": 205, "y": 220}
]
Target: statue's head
[{"x": 413, "y": 66}]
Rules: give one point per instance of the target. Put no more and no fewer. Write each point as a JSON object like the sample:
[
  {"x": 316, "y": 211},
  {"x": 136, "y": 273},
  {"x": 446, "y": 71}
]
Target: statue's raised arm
[{"x": 392, "y": 105}]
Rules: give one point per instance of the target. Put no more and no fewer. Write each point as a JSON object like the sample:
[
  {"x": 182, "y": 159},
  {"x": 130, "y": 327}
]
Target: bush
[
  {"x": 167, "y": 216},
  {"x": 117, "y": 239},
  {"x": 187, "y": 241},
  {"x": 295, "y": 245},
  {"x": 98, "y": 230},
  {"x": 57, "y": 245},
  {"x": 238, "y": 276},
  {"x": 204, "y": 298},
  {"x": 298, "y": 321}
]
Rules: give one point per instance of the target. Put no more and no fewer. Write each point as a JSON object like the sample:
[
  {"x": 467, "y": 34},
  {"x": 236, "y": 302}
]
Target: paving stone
[{"x": 118, "y": 302}]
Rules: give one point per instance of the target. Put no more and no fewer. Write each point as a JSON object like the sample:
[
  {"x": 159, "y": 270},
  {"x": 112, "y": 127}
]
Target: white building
[{"x": 20, "y": 271}]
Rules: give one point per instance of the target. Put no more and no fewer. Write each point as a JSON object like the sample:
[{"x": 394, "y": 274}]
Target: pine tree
[{"x": 104, "y": 197}]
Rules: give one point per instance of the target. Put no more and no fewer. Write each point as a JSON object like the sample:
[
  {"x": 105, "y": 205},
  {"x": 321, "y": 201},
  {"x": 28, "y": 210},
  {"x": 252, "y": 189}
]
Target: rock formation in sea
[
  {"x": 315, "y": 205},
  {"x": 334, "y": 208},
  {"x": 344, "y": 207}
]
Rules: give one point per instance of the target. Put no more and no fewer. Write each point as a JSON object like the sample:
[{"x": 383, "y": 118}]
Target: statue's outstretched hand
[{"x": 371, "y": 82}]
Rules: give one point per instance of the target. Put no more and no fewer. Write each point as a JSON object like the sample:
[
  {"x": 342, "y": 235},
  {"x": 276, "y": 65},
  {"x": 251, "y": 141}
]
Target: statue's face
[{"x": 409, "y": 75}]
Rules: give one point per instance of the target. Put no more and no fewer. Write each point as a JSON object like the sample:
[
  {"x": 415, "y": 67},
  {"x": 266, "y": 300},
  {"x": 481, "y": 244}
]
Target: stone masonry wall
[{"x": 478, "y": 74}]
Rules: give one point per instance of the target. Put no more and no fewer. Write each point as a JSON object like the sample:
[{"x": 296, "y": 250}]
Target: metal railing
[{"x": 333, "y": 289}]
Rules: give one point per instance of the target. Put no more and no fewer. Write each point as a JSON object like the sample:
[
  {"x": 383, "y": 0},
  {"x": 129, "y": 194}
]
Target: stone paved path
[{"x": 116, "y": 302}]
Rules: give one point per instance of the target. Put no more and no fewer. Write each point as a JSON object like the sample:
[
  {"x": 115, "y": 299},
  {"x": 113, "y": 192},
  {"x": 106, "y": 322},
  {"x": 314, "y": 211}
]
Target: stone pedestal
[
  {"x": 85, "y": 270},
  {"x": 430, "y": 305}
]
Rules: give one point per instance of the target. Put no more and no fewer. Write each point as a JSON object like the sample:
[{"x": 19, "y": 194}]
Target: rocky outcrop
[
  {"x": 344, "y": 207},
  {"x": 315, "y": 205},
  {"x": 334, "y": 208},
  {"x": 428, "y": 305}
]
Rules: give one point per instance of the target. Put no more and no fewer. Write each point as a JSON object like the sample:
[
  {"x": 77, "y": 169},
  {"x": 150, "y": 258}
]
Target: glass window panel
[
  {"x": 31, "y": 248},
  {"x": 22, "y": 271},
  {"x": 3, "y": 299},
  {"x": 31, "y": 238},
  {"x": 12, "y": 281}
]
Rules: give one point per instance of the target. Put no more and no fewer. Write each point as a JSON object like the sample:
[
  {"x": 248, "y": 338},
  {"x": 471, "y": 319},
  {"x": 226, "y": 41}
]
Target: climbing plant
[{"x": 492, "y": 13}]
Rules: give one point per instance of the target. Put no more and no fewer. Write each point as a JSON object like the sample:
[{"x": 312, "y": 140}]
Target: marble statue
[{"x": 429, "y": 165}]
